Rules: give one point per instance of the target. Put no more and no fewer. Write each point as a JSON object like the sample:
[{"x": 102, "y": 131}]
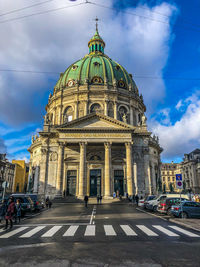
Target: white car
[{"x": 141, "y": 203}]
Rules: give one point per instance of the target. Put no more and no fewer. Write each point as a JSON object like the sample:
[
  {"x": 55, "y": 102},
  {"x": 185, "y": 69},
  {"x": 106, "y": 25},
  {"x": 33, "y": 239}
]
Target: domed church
[{"x": 95, "y": 139}]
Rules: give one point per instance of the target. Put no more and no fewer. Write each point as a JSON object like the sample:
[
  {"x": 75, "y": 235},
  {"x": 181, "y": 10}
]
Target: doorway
[
  {"x": 71, "y": 183},
  {"x": 119, "y": 182},
  {"x": 95, "y": 182}
]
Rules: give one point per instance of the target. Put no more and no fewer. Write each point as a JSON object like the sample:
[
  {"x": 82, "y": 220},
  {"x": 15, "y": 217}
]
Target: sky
[{"x": 157, "y": 41}]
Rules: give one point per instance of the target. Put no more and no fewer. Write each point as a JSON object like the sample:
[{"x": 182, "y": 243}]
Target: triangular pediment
[{"x": 96, "y": 121}]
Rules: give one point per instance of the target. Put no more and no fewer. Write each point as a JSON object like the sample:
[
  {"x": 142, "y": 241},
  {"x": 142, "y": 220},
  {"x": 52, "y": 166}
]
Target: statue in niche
[
  {"x": 124, "y": 118},
  {"x": 32, "y": 139},
  {"x": 47, "y": 119},
  {"x": 144, "y": 119}
]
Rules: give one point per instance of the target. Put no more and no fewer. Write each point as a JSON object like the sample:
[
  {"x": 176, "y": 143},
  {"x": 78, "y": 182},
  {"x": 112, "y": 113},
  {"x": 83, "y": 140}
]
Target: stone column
[
  {"x": 76, "y": 110},
  {"x": 149, "y": 180},
  {"x": 131, "y": 116},
  {"x": 106, "y": 108},
  {"x": 82, "y": 170},
  {"x": 129, "y": 168},
  {"x": 60, "y": 170},
  {"x": 107, "y": 168},
  {"x": 85, "y": 107},
  {"x": 36, "y": 180},
  {"x": 115, "y": 110},
  {"x": 135, "y": 177}
]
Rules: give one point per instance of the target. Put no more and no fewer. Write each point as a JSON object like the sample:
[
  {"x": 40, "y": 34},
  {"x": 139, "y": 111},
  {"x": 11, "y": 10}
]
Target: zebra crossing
[{"x": 24, "y": 232}]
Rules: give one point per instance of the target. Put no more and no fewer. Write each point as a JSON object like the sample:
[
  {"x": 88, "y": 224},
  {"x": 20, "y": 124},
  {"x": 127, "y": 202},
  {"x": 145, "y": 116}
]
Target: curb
[
  {"x": 170, "y": 220},
  {"x": 184, "y": 224}
]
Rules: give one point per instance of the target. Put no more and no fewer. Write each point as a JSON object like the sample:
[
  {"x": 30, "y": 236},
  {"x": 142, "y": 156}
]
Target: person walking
[
  {"x": 10, "y": 213},
  {"x": 98, "y": 199},
  {"x": 47, "y": 202},
  {"x": 18, "y": 211},
  {"x": 86, "y": 200},
  {"x": 3, "y": 210},
  {"x": 137, "y": 199}
]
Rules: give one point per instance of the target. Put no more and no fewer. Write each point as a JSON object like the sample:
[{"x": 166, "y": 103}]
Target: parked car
[
  {"x": 164, "y": 206},
  {"x": 153, "y": 204},
  {"x": 141, "y": 203},
  {"x": 37, "y": 200},
  {"x": 27, "y": 204},
  {"x": 188, "y": 209},
  {"x": 147, "y": 199}
]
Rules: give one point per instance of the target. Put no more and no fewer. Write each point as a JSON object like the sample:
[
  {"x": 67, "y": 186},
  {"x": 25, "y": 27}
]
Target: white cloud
[
  {"x": 53, "y": 41},
  {"x": 179, "y": 104},
  {"x": 184, "y": 135}
]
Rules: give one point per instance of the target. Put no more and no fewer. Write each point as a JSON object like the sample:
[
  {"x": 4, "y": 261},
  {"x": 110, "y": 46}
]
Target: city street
[{"x": 100, "y": 235}]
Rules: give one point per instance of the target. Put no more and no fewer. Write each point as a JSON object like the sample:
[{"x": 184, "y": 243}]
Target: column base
[{"x": 107, "y": 197}]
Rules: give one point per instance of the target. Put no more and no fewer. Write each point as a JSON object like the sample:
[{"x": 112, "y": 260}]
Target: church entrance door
[
  {"x": 95, "y": 182},
  {"x": 119, "y": 182},
  {"x": 71, "y": 183}
]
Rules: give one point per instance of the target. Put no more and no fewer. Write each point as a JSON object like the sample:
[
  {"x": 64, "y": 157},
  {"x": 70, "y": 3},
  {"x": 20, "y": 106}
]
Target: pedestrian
[
  {"x": 133, "y": 198},
  {"x": 3, "y": 210},
  {"x": 50, "y": 204},
  {"x": 100, "y": 199},
  {"x": 114, "y": 195},
  {"x": 64, "y": 193},
  {"x": 47, "y": 202},
  {"x": 18, "y": 211},
  {"x": 137, "y": 199},
  {"x": 86, "y": 200},
  {"x": 10, "y": 213}
]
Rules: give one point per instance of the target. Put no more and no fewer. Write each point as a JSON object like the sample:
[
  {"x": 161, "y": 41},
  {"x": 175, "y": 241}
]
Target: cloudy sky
[{"x": 157, "y": 41}]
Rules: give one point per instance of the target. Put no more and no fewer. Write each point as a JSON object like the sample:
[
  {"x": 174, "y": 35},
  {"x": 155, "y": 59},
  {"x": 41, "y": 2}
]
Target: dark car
[
  {"x": 165, "y": 205},
  {"x": 188, "y": 209},
  {"x": 37, "y": 200},
  {"x": 27, "y": 205}
]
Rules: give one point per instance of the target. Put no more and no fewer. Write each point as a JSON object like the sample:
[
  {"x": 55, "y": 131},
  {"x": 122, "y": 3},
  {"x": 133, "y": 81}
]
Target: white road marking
[
  {"x": 109, "y": 230},
  {"x": 16, "y": 231},
  {"x": 90, "y": 230},
  {"x": 184, "y": 231},
  {"x": 52, "y": 231},
  {"x": 71, "y": 230},
  {"x": 32, "y": 232},
  {"x": 92, "y": 215},
  {"x": 146, "y": 230},
  {"x": 128, "y": 230},
  {"x": 164, "y": 230}
]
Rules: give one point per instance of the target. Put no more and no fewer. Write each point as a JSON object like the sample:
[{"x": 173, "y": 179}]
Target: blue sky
[{"x": 157, "y": 41}]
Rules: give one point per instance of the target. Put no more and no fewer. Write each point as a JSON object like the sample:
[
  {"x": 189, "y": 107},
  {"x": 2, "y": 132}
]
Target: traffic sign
[
  {"x": 5, "y": 184},
  {"x": 179, "y": 181}
]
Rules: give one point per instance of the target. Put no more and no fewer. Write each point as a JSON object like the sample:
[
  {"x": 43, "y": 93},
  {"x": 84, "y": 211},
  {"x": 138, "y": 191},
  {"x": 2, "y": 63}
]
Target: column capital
[
  {"x": 107, "y": 145},
  {"x": 128, "y": 144},
  {"x": 61, "y": 144},
  {"x": 82, "y": 144}
]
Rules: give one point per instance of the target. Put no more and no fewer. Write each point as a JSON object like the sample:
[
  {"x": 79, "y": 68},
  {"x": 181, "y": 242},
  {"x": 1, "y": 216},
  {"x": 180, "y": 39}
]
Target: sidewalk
[{"x": 193, "y": 224}]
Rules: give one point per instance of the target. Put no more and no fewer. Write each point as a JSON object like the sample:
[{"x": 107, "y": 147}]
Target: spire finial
[{"x": 96, "y": 23}]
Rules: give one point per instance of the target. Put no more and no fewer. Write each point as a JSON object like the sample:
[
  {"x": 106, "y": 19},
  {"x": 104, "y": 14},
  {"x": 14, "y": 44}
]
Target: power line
[
  {"x": 134, "y": 76},
  {"x": 23, "y": 8},
  {"x": 164, "y": 15},
  {"x": 144, "y": 17},
  {"x": 42, "y": 12}
]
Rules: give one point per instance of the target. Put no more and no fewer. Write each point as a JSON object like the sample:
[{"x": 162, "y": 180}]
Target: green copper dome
[{"x": 96, "y": 68}]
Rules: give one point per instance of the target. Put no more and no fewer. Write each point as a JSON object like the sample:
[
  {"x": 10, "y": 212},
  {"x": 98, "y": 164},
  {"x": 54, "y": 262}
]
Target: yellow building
[
  {"x": 20, "y": 176},
  {"x": 168, "y": 176}
]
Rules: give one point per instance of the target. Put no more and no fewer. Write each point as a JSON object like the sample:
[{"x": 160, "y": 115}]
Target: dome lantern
[{"x": 96, "y": 43}]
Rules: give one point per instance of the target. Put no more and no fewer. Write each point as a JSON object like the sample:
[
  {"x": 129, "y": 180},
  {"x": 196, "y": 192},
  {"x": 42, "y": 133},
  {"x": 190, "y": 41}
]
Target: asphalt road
[{"x": 100, "y": 235}]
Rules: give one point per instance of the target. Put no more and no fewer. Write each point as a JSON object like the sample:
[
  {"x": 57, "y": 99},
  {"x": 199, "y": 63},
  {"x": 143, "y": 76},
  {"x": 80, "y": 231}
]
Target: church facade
[{"x": 95, "y": 139}]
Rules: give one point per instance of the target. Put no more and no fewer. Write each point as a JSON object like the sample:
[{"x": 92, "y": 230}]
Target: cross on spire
[{"x": 96, "y": 19}]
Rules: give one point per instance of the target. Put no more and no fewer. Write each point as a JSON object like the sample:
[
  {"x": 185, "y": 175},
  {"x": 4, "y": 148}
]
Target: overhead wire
[
  {"x": 42, "y": 12},
  {"x": 134, "y": 76},
  {"x": 23, "y": 8}
]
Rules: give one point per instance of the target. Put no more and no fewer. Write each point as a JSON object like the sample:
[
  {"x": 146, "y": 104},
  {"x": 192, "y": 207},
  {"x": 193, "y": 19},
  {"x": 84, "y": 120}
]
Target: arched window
[
  {"x": 68, "y": 114},
  {"x": 92, "y": 48},
  {"x": 100, "y": 47},
  {"x": 123, "y": 114},
  {"x": 95, "y": 108},
  {"x": 95, "y": 47}
]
